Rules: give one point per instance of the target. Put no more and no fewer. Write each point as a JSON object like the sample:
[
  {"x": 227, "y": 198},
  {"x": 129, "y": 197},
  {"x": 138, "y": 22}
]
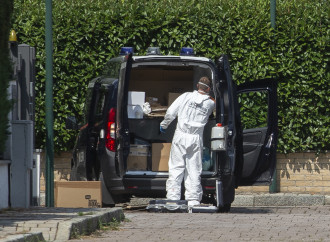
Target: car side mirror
[{"x": 71, "y": 123}]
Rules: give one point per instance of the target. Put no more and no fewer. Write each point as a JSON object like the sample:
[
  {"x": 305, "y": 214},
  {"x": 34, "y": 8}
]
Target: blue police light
[
  {"x": 187, "y": 51},
  {"x": 126, "y": 50}
]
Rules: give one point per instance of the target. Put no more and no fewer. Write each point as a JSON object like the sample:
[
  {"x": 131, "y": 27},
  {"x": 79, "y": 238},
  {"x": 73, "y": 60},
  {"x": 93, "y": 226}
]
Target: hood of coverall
[{"x": 199, "y": 98}]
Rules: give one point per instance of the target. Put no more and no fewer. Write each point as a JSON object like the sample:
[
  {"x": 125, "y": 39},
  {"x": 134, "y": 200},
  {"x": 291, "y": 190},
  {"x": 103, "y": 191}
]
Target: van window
[
  {"x": 112, "y": 68},
  {"x": 87, "y": 104},
  {"x": 100, "y": 106}
]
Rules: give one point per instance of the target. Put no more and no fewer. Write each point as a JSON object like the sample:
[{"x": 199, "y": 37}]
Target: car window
[
  {"x": 87, "y": 104},
  {"x": 100, "y": 106},
  {"x": 253, "y": 109},
  {"x": 112, "y": 68}
]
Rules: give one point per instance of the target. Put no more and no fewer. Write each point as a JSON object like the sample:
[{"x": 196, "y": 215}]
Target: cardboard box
[
  {"x": 138, "y": 158},
  {"x": 160, "y": 156},
  {"x": 153, "y": 101},
  {"x": 137, "y": 163},
  {"x": 158, "y": 111},
  {"x": 78, "y": 194},
  {"x": 172, "y": 96},
  {"x": 135, "y": 104}
]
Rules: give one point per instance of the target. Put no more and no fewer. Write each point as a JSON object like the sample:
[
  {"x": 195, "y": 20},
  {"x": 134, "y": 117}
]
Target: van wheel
[
  {"x": 225, "y": 208},
  {"x": 124, "y": 198},
  {"x": 105, "y": 205},
  {"x": 109, "y": 199},
  {"x": 112, "y": 200}
]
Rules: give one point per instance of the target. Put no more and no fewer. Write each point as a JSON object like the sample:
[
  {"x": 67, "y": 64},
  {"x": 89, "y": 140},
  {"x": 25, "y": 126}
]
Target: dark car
[{"x": 120, "y": 143}]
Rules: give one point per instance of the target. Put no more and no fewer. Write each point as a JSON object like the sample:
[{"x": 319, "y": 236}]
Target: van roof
[{"x": 168, "y": 57}]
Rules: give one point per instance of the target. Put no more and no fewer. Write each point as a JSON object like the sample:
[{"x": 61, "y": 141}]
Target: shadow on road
[{"x": 250, "y": 210}]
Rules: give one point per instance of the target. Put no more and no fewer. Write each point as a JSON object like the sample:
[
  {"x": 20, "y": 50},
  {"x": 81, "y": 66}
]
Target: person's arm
[
  {"x": 212, "y": 108},
  {"x": 172, "y": 111}
]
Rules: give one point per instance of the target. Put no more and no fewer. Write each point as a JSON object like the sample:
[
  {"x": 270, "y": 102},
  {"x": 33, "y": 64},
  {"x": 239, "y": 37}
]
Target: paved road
[{"x": 241, "y": 224}]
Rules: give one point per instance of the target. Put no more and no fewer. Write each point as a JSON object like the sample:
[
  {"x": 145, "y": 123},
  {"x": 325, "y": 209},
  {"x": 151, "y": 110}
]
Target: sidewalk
[
  {"x": 61, "y": 224},
  {"x": 53, "y": 224},
  {"x": 280, "y": 199}
]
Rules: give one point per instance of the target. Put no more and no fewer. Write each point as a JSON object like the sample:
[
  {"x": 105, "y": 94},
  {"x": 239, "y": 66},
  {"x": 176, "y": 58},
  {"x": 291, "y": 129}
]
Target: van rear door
[
  {"x": 122, "y": 131},
  {"x": 120, "y": 67},
  {"x": 258, "y": 116}
]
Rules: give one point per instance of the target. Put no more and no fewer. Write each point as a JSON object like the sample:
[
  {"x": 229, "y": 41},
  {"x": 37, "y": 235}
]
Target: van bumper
[{"x": 130, "y": 185}]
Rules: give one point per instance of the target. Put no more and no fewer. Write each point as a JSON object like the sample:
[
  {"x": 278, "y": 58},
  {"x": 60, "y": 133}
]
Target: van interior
[{"x": 159, "y": 84}]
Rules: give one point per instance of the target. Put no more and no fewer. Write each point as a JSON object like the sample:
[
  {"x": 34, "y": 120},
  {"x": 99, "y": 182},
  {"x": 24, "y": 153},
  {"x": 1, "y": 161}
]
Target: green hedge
[
  {"x": 5, "y": 70},
  {"x": 88, "y": 33}
]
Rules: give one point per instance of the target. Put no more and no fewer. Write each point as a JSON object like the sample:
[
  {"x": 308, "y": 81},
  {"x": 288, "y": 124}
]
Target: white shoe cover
[{"x": 193, "y": 203}]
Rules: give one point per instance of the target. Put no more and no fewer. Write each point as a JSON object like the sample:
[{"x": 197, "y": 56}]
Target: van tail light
[
  {"x": 111, "y": 131},
  {"x": 209, "y": 187}
]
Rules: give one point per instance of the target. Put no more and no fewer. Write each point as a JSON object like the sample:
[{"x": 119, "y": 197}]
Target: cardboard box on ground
[{"x": 78, "y": 194}]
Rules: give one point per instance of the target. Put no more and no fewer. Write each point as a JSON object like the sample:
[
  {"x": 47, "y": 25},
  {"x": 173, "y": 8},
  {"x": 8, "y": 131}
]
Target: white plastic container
[
  {"x": 135, "y": 104},
  {"x": 219, "y": 138}
]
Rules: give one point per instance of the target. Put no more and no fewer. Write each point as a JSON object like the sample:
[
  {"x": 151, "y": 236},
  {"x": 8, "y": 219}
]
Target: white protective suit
[{"x": 193, "y": 110}]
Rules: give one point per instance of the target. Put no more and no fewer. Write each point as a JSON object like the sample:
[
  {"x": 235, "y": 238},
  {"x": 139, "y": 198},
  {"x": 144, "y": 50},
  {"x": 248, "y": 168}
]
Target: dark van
[{"x": 120, "y": 143}]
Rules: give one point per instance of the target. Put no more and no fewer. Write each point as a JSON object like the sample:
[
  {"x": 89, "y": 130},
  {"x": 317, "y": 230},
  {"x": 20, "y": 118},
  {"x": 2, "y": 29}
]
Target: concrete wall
[
  {"x": 4, "y": 189},
  {"x": 62, "y": 168},
  {"x": 303, "y": 173}
]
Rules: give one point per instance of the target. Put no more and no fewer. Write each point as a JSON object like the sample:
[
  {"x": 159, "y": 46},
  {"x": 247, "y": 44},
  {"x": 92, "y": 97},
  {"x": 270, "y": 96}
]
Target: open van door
[
  {"x": 122, "y": 130},
  {"x": 258, "y": 115},
  {"x": 120, "y": 68},
  {"x": 250, "y": 113}
]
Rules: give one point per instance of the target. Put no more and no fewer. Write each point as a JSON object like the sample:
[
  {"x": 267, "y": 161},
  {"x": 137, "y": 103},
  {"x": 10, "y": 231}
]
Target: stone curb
[
  {"x": 86, "y": 225},
  {"x": 31, "y": 237},
  {"x": 280, "y": 199},
  {"x": 74, "y": 227}
]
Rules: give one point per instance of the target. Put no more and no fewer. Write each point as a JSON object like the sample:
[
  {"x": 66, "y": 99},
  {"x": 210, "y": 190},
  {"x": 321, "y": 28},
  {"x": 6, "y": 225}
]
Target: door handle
[
  {"x": 270, "y": 141},
  {"x": 269, "y": 144}
]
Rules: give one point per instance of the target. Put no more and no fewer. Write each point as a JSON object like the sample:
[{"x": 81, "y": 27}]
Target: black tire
[
  {"x": 122, "y": 198},
  {"x": 110, "y": 199},
  {"x": 225, "y": 208},
  {"x": 104, "y": 205},
  {"x": 211, "y": 199}
]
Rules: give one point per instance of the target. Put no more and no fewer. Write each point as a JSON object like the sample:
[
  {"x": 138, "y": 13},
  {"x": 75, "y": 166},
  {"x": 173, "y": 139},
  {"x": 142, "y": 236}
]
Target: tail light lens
[{"x": 111, "y": 131}]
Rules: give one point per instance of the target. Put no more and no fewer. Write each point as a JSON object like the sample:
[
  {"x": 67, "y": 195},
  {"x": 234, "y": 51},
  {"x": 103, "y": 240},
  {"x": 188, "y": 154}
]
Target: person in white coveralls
[{"x": 193, "y": 110}]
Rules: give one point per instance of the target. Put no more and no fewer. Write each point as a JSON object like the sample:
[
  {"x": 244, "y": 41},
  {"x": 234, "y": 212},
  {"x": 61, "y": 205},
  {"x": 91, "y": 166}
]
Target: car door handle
[
  {"x": 270, "y": 141},
  {"x": 269, "y": 144}
]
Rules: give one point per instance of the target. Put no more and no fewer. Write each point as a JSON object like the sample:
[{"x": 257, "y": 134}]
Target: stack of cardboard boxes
[
  {"x": 140, "y": 154},
  {"x": 138, "y": 157}
]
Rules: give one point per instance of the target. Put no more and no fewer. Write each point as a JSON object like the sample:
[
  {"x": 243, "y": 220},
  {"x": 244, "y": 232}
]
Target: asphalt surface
[
  {"x": 241, "y": 224},
  {"x": 252, "y": 217}
]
